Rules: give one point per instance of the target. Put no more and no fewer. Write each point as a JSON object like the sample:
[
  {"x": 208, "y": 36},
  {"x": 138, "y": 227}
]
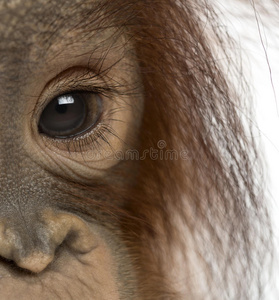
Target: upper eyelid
[{"x": 71, "y": 80}]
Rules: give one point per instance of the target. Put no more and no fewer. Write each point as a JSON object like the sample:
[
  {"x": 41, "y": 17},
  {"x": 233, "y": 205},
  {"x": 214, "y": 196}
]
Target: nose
[{"x": 33, "y": 247}]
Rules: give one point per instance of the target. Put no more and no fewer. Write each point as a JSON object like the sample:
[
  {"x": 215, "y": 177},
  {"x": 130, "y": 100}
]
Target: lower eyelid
[
  {"x": 80, "y": 143},
  {"x": 82, "y": 136}
]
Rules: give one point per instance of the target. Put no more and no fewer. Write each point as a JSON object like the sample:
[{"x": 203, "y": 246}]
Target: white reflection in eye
[{"x": 66, "y": 99}]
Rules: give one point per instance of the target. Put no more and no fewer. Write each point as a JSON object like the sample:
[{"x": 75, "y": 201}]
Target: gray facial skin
[{"x": 49, "y": 245}]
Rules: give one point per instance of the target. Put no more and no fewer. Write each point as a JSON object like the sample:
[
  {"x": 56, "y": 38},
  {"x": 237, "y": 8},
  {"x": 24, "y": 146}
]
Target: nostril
[
  {"x": 70, "y": 229},
  {"x": 20, "y": 249},
  {"x": 36, "y": 250}
]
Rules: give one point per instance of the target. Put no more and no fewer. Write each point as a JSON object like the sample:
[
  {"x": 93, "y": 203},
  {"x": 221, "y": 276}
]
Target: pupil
[{"x": 61, "y": 109}]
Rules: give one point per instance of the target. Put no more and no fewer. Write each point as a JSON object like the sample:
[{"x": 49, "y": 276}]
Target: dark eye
[{"x": 70, "y": 114}]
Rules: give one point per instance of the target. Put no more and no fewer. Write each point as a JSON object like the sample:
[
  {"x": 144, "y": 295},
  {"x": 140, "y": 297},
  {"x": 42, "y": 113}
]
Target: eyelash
[{"x": 90, "y": 139}]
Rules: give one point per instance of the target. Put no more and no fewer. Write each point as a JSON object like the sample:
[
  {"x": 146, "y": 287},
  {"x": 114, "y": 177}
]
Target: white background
[{"x": 257, "y": 33}]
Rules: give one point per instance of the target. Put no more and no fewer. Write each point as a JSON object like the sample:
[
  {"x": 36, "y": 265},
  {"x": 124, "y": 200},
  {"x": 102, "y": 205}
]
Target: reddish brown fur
[{"x": 215, "y": 193}]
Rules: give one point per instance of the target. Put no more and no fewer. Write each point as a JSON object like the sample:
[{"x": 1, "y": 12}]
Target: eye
[{"x": 70, "y": 114}]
